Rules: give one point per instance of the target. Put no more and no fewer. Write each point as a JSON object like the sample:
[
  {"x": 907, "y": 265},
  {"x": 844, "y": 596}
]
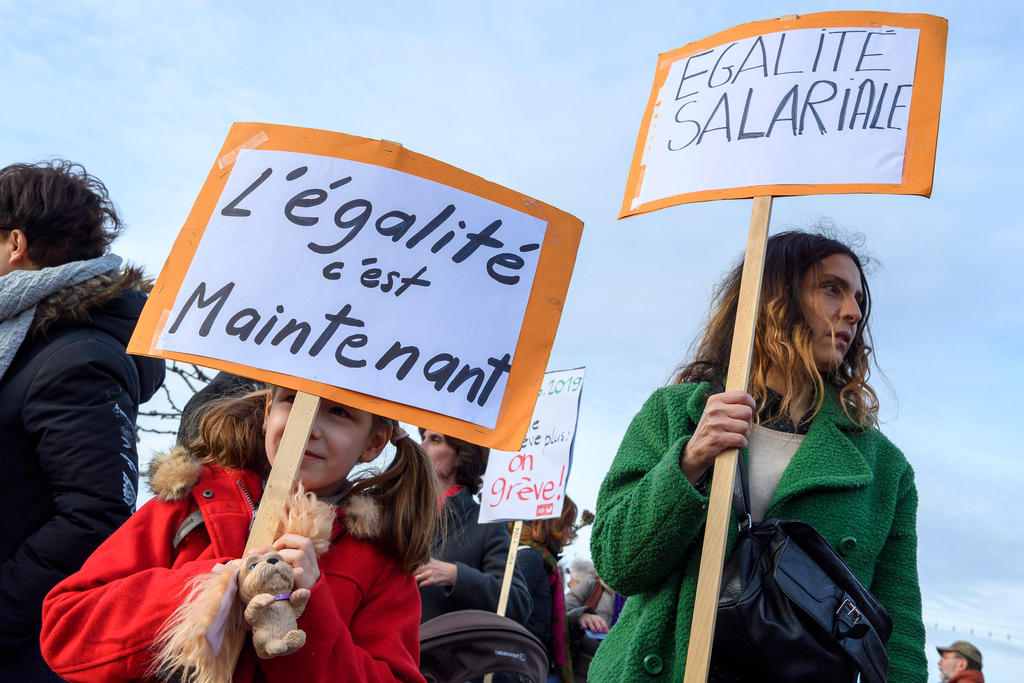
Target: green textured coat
[{"x": 853, "y": 485}]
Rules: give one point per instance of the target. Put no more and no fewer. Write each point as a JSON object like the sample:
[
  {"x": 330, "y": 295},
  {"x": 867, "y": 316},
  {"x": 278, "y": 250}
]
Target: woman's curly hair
[{"x": 65, "y": 213}]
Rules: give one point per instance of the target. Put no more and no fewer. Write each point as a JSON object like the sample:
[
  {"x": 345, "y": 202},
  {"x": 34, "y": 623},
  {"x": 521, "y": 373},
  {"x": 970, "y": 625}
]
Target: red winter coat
[{"x": 361, "y": 623}]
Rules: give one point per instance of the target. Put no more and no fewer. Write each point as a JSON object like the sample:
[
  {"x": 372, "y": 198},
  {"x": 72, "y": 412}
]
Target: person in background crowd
[
  {"x": 540, "y": 546},
  {"x": 581, "y": 570},
  {"x": 591, "y": 608},
  {"x": 468, "y": 559},
  {"x": 960, "y": 663},
  {"x": 361, "y": 621},
  {"x": 814, "y": 451},
  {"x": 223, "y": 385},
  {"x": 69, "y": 395},
  {"x": 594, "y": 596}
]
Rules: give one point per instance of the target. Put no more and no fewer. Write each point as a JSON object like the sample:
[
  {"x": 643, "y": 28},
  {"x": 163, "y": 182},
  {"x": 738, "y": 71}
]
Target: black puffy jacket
[{"x": 68, "y": 463}]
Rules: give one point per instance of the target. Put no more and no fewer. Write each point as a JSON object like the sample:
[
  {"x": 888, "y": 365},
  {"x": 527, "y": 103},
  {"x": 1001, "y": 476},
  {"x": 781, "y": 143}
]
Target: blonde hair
[
  {"x": 406, "y": 491},
  {"x": 782, "y": 340}
]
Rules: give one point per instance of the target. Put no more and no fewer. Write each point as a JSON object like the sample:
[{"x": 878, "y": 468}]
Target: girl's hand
[
  {"x": 724, "y": 425},
  {"x": 436, "y": 573},
  {"x": 594, "y": 623},
  {"x": 298, "y": 552}
]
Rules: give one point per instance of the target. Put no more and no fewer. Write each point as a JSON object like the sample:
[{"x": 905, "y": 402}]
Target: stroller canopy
[{"x": 467, "y": 644}]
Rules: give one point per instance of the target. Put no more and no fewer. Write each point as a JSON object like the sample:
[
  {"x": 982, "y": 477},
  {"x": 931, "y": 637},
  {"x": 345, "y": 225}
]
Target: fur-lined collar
[
  {"x": 77, "y": 303},
  {"x": 172, "y": 476}
]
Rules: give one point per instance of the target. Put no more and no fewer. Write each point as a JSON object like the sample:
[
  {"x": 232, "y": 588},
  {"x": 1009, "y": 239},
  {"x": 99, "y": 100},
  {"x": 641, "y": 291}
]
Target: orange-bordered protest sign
[
  {"x": 359, "y": 271},
  {"x": 833, "y": 102}
]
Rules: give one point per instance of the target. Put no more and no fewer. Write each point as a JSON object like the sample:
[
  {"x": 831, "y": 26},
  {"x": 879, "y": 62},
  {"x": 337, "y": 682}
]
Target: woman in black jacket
[
  {"x": 69, "y": 394},
  {"x": 467, "y": 563}
]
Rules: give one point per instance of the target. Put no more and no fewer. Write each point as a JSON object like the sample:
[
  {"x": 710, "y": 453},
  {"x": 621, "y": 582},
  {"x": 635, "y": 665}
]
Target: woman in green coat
[{"x": 810, "y": 422}]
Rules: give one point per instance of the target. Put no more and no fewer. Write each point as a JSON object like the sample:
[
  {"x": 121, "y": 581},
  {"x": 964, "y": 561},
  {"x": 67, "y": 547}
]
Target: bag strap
[
  {"x": 741, "y": 494},
  {"x": 595, "y": 596}
]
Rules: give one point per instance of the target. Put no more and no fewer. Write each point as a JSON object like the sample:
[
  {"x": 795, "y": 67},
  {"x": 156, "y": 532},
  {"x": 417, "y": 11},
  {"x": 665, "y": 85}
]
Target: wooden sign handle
[
  {"x": 510, "y": 567},
  {"x": 265, "y": 527},
  {"x": 506, "y": 582},
  {"x": 709, "y": 580}
]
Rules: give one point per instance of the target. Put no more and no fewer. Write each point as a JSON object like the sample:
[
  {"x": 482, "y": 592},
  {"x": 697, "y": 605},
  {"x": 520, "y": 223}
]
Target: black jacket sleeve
[
  {"x": 531, "y": 565},
  {"x": 80, "y": 410},
  {"x": 480, "y": 588}
]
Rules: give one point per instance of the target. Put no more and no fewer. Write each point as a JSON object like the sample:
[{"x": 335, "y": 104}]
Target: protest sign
[
  {"x": 361, "y": 272},
  {"x": 833, "y": 102},
  {"x": 530, "y": 483}
]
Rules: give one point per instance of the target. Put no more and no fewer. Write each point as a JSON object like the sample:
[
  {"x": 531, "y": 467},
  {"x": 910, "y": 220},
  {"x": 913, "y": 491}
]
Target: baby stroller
[{"x": 465, "y": 645}]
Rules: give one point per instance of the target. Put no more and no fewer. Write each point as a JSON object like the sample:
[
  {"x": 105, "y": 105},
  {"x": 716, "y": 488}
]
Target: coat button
[
  {"x": 653, "y": 664},
  {"x": 847, "y": 544},
  {"x": 207, "y": 493}
]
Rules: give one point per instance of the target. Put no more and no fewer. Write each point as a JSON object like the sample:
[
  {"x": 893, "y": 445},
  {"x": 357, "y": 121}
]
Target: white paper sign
[
  {"x": 361, "y": 277},
  {"x": 531, "y": 484},
  {"x": 806, "y": 106}
]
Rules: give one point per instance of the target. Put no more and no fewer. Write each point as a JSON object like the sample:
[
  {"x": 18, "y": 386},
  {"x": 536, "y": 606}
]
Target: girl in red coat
[{"x": 106, "y": 622}]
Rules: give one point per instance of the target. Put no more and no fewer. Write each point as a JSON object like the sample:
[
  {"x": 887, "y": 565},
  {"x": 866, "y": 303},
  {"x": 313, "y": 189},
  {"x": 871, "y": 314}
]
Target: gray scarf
[{"x": 22, "y": 290}]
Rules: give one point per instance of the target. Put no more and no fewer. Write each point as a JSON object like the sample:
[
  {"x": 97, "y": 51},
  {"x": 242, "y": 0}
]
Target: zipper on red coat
[{"x": 252, "y": 504}]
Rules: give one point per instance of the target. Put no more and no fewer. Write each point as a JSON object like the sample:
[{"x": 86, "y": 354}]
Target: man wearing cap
[{"x": 960, "y": 663}]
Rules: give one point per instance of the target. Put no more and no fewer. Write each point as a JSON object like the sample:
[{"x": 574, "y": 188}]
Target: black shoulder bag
[{"x": 791, "y": 610}]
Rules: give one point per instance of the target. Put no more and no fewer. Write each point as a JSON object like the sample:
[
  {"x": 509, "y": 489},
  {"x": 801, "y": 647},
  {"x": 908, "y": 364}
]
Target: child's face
[{"x": 341, "y": 436}]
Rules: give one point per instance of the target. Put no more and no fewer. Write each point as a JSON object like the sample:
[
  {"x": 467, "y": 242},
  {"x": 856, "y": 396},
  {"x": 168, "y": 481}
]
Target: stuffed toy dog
[{"x": 265, "y": 584}]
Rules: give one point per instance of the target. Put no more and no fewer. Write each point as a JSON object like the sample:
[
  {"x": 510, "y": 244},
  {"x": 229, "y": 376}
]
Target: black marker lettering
[
  {"x": 864, "y": 50},
  {"x": 723, "y": 100},
  {"x": 408, "y": 282},
  {"x": 758, "y": 42},
  {"x": 695, "y": 125},
  {"x": 501, "y": 366},
  {"x": 334, "y": 321},
  {"x": 354, "y": 225},
  {"x": 778, "y": 57},
  {"x": 396, "y": 231},
  {"x": 878, "y": 110},
  {"x": 449, "y": 364},
  {"x": 429, "y": 227},
  {"x": 242, "y": 331},
  {"x": 301, "y": 331},
  {"x": 744, "y": 135},
  {"x": 394, "y": 352},
  {"x": 475, "y": 240},
  {"x": 809, "y": 104},
  {"x": 332, "y": 271},
  {"x": 217, "y": 300},
  {"x": 893, "y": 107},
  {"x": 791, "y": 97},
  {"x": 307, "y": 198},
  {"x": 355, "y": 341},
  {"x": 505, "y": 260},
  {"x": 267, "y": 326},
  {"x": 232, "y": 208},
  {"x": 686, "y": 77}
]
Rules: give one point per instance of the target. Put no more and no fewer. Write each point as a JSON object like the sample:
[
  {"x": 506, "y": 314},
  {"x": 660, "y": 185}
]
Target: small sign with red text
[{"x": 530, "y": 484}]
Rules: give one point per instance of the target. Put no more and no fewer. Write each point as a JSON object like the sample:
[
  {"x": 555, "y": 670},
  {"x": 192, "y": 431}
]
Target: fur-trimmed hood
[
  {"x": 110, "y": 302},
  {"x": 80, "y": 303},
  {"x": 173, "y": 475}
]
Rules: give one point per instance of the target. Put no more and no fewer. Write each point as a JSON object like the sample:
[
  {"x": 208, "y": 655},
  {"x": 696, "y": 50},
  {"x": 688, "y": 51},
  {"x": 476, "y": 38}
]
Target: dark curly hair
[
  {"x": 783, "y": 338},
  {"x": 65, "y": 213}
]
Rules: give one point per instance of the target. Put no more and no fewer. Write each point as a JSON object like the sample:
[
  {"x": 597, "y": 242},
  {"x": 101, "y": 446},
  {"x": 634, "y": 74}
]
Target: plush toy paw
[{"x": 277, "y": 647}]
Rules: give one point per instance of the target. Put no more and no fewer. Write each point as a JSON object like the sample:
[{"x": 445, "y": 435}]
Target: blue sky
[{"x": 547, "y": 98}]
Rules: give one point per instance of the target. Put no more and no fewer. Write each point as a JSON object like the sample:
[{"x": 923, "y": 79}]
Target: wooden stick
[
  {"x": 506, "y": 582},
  {"x": 285, "y": 470},
  {"x": 709, "y": 580},
  {"x": 510, "y": 567}
]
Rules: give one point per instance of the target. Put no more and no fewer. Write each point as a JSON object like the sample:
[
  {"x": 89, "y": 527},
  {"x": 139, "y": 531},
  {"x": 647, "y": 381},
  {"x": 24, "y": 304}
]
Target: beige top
[{"x": 770, "y": 452}]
